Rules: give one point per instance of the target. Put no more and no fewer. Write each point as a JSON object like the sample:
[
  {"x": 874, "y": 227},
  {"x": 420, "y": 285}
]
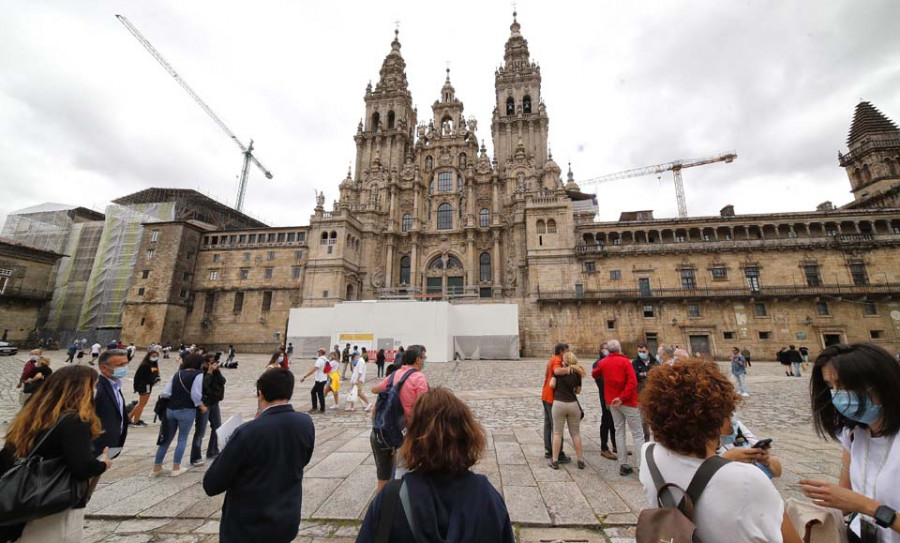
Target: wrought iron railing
[{"x": 778, "y": 291}]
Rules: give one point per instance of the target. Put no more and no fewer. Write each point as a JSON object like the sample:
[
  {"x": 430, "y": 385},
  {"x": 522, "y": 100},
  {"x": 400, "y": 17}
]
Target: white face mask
[{"x": 281, "y": 359}]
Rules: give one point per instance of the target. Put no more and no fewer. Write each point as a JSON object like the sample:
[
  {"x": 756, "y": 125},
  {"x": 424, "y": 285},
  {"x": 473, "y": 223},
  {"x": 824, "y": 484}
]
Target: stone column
[
  {"x": 472, "y": 276},
  {"x": 415, "y": 212},
  {"x": 389, "y": 264},
  {"x": 414, "y": 264},
  {"x": 393, "y": 206},
  {"x": 472, "y": 212},
  {"x": 495, "y": 202},
  {"x": 495, "y": 262}
]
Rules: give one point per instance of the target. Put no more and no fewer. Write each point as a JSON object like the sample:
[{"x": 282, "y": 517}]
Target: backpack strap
[
  {"x": 663, "y": 498},
  {"x": 705, "y": 472},
  {"x": 388, "y": 509},
  {"x": 407, "y": 510},
  {"x": 46, "y": 435}
]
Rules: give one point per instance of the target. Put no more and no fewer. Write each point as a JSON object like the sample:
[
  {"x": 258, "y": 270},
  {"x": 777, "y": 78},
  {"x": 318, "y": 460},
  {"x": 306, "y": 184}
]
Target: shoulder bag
[{"x": 36, "y": 487}]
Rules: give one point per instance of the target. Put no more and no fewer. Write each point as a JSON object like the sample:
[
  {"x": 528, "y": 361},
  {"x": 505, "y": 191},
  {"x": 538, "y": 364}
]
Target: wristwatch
[{"x": 885, "y": 516}]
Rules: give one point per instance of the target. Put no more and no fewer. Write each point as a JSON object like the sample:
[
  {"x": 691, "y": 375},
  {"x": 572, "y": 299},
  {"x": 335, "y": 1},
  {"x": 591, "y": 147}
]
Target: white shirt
[
  {"x": 359, "y": 372},
  {"x": 95, "y": 348},
  {"x": 320, "y": 369},
  {"x": 739, "y": 505},
  {"x": 878, "y": 479}
]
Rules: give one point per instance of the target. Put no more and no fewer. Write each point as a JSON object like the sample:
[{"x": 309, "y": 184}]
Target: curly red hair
[{"x": 686, "y": 404}]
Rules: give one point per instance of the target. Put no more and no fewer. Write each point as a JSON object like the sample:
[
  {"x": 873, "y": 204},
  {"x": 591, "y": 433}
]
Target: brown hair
[
  {"x": 443, "y": 436},
  {"x": 67, "y": 390},
  {"x": 686, "y": 405}
]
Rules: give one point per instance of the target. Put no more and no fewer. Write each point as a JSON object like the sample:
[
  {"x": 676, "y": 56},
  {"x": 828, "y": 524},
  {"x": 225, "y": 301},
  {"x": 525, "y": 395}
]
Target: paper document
[{"x": 224, "y": 432}]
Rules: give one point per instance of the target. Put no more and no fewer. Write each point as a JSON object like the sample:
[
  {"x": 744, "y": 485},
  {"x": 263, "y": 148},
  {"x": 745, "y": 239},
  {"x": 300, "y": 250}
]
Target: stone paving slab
[{"x": 340, "y": 480}]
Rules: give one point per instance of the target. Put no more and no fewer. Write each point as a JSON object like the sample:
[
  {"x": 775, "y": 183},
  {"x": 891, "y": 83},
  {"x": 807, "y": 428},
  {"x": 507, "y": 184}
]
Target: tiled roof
[{"x": 868, "y": 121}]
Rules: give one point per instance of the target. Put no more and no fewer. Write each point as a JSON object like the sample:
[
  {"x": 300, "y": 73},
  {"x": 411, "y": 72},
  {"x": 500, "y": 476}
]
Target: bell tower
[
  {"x": 385, "y": 134},
  {"x": 520, "y": 118},
  {"x": 873, "y": 161}
]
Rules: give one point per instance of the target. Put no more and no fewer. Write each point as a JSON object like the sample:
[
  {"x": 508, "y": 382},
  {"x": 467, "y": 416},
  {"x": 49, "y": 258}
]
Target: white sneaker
[
  {"x": 335, "y": 406},
  {"x": 368, "y": 407},
  {"x": 177, "y": 472},
  {"x": 349, "y": 409},
  {"x": 161, "y": 473},
  {"x": 745, "y": 394},
  {"x": 198, "y": 463}
]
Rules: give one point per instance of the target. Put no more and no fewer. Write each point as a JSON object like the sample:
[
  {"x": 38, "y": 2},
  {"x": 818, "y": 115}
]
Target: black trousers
[
  {"x": 548, "y": 430},
  {"x": 318, "y": 395},
  {"x": 607, "y": 427}
]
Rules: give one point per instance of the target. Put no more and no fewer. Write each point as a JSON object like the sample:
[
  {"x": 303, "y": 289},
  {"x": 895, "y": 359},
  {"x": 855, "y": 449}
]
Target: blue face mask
[
  {"x": 121, "y": 372},
  {"x": 729, "y": 438},
  {"x": 643, "y": 356},
  {"x": 847, "y": 404}
]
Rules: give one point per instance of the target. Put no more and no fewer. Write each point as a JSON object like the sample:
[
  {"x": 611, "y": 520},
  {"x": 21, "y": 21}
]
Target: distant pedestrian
[
  {"x": 379, "y": 362},
  {"x": 79, "y": 356},
  {"x": 358, "y": 381},
  {"x": 782, "y": 358},
  {"x": 364, "y": 354},
  {"x": 167, "y": 348},
  {"x": 72, "y": 351},
  {"x": 261, "y": 469},
  {"x": 620, "y": 389},
  {"x": 130, "y": 351},
  {"x": 144, "y": 379},
  {"x": 318, "y": 391},
  {"x": 745, "y": 352},
  {"x": 290, "y": 350},
  {"x": 277, "y": 360},
  {"x": 739, "y": 370},
  {"x": 345, "y": 361},
  {"x": 28, "y": 371},
  {"x": 333, "y": 384},
  {"x": 41, "y": 372},
  {"x": 795, "y": 358},
  {"x": 95, "y": 352}
]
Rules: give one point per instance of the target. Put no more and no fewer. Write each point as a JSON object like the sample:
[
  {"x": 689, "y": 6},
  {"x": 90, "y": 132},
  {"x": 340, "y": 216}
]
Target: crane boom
[
  {"x": 675, "y": 167},
  {"x": 248, "y": 154}
]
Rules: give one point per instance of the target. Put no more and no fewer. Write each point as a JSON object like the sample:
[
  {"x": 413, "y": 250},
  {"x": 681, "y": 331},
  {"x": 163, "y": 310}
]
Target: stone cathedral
[{"x": 428, "y": 214}]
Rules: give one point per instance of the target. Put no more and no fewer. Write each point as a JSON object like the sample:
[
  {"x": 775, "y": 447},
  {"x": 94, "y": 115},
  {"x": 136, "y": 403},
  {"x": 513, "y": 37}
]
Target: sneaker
[
  {"x": 745, "y": 394},
  {"x": 160, "y": 473},
  {"x": 609, "y": 455},
  {"x": 335, "y": 406},
  {"x": 625, "y": 470},
  {"x": 139, "y": 424},
  {"x": 198, "y": 463},
  {"x": 563, "y": 459},
  {"x": 349, "y": 409},
  {"x": 177, "y": 472}
]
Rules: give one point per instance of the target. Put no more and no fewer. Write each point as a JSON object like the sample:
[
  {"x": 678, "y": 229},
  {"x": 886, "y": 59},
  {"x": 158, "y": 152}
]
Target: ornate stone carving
[{"x": 378, "y": 278}]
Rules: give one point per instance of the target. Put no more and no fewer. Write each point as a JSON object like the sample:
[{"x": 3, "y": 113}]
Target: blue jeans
[
  {"x": 183, "y": 419},
  {"x": 742, "y": 382},
  {"x": 213, "y": 417},
  {"x": 796, "y": 368}
]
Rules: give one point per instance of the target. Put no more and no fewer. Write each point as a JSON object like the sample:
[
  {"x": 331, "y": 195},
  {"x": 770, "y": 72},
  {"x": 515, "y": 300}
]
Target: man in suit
[
  {"x": 261, "y": 467},
  {"x": 109, "y": 402}
]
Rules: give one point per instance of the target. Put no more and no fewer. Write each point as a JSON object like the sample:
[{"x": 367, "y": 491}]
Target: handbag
[
  {"x": 36, "y": 487},
  {"x": 579, "y": 407},
  {"x": 815, "y": 523}
]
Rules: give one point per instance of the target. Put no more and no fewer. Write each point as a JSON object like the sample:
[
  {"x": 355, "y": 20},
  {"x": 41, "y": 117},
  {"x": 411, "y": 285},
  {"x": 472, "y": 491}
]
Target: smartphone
[{"x": 763, "y": 444}]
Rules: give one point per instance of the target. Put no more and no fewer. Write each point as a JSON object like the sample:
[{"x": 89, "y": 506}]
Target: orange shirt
[{"x": 547, "y": 392}]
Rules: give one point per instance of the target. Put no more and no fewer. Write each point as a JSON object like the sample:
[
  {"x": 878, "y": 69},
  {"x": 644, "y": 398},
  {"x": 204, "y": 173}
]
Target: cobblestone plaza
[{"x": 545, "y": 505}]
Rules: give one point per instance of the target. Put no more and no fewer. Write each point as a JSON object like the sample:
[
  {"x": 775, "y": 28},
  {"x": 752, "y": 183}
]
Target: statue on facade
[
  {"x": 378, "y": 278},
  {"x": 320, "y": 198},
  {"x": 510, "y": 272}
]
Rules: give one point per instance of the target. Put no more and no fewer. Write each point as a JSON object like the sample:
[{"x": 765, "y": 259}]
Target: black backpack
[{"x": 669, "y": 522}]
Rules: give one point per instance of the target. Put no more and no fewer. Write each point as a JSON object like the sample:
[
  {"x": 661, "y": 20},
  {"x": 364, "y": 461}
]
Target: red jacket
[{"x": 619, "y": 380}]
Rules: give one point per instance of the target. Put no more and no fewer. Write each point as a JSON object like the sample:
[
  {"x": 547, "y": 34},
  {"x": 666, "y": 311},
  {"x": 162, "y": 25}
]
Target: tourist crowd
[{"x": 680, "y": 411}]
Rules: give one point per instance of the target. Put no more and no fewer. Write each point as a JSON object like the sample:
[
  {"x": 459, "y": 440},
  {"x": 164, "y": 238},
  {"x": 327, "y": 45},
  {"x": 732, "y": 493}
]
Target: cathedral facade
[{"x": 426, "y": 214}]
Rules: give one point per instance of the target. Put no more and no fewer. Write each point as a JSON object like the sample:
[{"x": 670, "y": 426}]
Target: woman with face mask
[
  {"x": 855, "y": 394},
  {"x": 144, "y": 379},
  {"x": 737, "y": 442}
]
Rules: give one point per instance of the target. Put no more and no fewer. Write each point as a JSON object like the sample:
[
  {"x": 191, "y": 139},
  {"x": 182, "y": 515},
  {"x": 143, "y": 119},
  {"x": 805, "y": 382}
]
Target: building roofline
[{"x": 40, "y": 253}]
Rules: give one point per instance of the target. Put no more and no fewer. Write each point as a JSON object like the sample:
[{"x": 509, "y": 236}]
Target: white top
[
  {"x": 359, "y": 372},
  {"x": 878, "y": 477},
  {"x": 320, "y": 369},
  {"x": 748, "y": 435},
  {"x": 723, "y": 512},
  {"x": 95, "y": 348}
]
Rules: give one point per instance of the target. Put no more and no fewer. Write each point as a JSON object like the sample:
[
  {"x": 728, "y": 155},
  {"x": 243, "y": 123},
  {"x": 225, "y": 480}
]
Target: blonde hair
[
  {"x": 569, "y": 359},
  {"x": 67, "y": 390}
]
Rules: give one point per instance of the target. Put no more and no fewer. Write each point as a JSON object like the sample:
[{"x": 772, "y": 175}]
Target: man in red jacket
[{"x": 620, "y": 391}]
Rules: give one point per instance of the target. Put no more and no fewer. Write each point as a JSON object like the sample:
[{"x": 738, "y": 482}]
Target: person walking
[
  {"x": 129, "y": 351},
  {"x": 739, "y": 370},
  {"x": 567, "y": 410},
  {"x": 290, "y": 350},
  {"x": 213, "y": 393},
  {"x": 58, "y": 422},
  {"x": 795, "y": 359},
  {"x": 345, "y": 361},
  {"x": 620, "y": 389},
  {"x": 379, "y": 362},
  {"x": 109, "y": 402},
  {"x": 782, "y": 358},
  {"x": 95, "y": 352},
  {"x": 231, "y": 352},
  {"x": 333, "y": 384},
  {"x": 261, "y": 469},
  {"x": 554, "y": 365},
  {"x": 145, "y": 377},
  {"x": 357, "y": 381},
  {"x": 444, "y": 500},
  {"x": 607, "y": 428},
  {"x": 71, "y": 352},
  {"x": 642, "y": 365},
  {"x": 318, "y": 390},
  {"x": 185, "y": 394}
]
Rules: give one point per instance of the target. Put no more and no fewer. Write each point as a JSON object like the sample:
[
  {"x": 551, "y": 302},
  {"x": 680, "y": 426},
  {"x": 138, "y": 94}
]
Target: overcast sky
[{"x": 87, "y": 115}]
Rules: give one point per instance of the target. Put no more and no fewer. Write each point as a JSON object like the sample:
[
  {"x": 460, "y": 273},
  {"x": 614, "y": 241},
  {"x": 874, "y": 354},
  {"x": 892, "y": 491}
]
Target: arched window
[
  {"x": 541, "y": 226},
  {"x": 406, "y": 222},
  {"x": 446, "y": 125},
  {"x": 520, "y": 181},
  {"x": 484, "y": 267},
  {"x": 453, "y": 263},
  {"x": 484, "y": 218},
  {"x": 376, "y": 118},
  {"x": 526, "y": 104},
  {"x": 324, "y": 240},
  {"x": 391, "y": 117},
  {"x": 349, "y": 292},
  {"x": 551, "y": 226},
  {"x": 444, "y": 217},
  {"x": 404, "y": 270},
  {"x": 510, "y": 106},
  {"x": 463, "y": 160},
  {"x": 436, "y": 264},
  {"x": 445, "y": 182},
  {"x": 429, "y": 162},
  {"x": 867, "y": 175}
]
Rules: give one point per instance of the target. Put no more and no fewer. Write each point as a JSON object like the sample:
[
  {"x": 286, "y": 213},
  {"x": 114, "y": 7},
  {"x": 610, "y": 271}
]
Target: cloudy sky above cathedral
[{"x": 86, "y": 115}]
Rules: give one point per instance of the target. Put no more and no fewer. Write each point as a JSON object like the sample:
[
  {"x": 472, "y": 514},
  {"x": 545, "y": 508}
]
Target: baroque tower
[{"x": 873, "y": 161}]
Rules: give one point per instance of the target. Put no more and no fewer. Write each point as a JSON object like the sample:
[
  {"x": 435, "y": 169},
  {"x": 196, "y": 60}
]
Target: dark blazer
[
  {"x": 261, "y": 472},
  {"x": 111, "y": 417}
]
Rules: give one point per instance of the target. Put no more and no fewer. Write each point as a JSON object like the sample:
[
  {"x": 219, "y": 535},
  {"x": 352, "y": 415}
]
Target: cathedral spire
[
  {"x": 393, "y": 69},
  {"x": 869, "y": 121}
]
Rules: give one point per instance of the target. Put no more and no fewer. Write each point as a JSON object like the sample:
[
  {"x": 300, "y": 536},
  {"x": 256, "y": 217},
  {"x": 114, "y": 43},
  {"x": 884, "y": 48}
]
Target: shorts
[
  {"x": 95, "y": 355},
  {"x": 384, "y": 458},
  {"x": 335, "y": 381}
]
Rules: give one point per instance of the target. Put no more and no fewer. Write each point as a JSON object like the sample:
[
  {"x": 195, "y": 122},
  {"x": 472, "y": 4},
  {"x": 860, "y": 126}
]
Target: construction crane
[
  {"x": 675, "y": 167},
  {"x": 246, "y": 150}
]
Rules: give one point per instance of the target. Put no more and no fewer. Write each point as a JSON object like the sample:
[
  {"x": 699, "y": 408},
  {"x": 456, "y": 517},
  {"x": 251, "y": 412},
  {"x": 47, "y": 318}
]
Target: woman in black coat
[
  {"x": 69, "y": 391},
  {"x": 379, "y": 361},
  {"x": 145, "y": 377}
]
